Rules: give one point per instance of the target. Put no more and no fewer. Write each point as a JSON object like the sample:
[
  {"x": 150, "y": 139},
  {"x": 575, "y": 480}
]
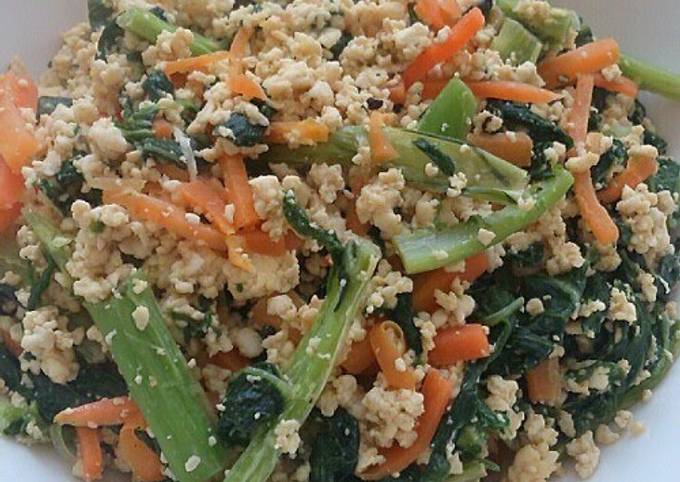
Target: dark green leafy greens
[
  {"x": 48, "y": 104},
  {"x": 335, "y": 451},
  {"x": 239, "y": 130},
  {"x": 100, "y": 13},
  {"x": 440, "y": 159},
  {"x": 615, "y": 156},
  {"x": 157, "y": 85},
  {"x": 67, "y": 186}
]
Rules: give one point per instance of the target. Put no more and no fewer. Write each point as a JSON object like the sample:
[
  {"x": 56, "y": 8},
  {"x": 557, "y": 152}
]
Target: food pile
[{"x": 333, "y": 241}]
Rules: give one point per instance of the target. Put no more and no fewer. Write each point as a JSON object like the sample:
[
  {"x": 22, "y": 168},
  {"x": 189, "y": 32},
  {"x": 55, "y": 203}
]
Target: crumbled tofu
[
  {"x": 287, "y": 437},
  {"x": 586, "y": 454},
  {"x": 141, "y": 317}
]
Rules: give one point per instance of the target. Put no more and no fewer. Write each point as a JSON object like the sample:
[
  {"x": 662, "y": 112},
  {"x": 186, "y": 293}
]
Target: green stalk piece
[
  {"x": 650, "y": 77},
  {"x": 426, "y": 249},
  {"x": 148, "y": 26},
  {"x": 171, "y": 399},
  {"x": 555, "y": 29},
  {"x": 516, "y": 44},
  {"x": 315, "y": 357},
  {"x": 489, "y": 177},
  {"x": 450, "y": 114}
]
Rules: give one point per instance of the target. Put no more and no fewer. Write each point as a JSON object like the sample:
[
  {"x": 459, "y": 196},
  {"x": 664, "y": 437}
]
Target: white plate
[{"x": 649, "y": 29}]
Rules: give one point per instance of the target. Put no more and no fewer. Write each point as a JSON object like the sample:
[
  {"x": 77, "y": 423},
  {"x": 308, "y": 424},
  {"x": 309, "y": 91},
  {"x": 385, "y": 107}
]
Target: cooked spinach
[
  {"x": 157, "y": 85},
  {"x": 66, "y": 187},
  {"x": 615, "y": 156},
  {"x": 162, "y": 149},
  {"x": 540, "y": 169},
  {"x": 8, "y": 300},
  {"x": 335, "y": 451},
  {"x": 403, "y": 315},
  {"x": 239, "y": 130},
  {"x": 440, "y": 159},
  {"x": 529, "y": 258},
  {"x": 250, "y": 402},
  {"x": 654, "y": 139},
  {"x": 540, "y": 129},
  {"x": 99, "y": 13},
  {"x": 109, "y": 40},
  {"x": 638, "y": 114},
  {"x": 667, "y": 177},
  {"x": 340, "y": 45},
  {"x": 48, "y": 104},
  {"x": 40, "y": 285}
]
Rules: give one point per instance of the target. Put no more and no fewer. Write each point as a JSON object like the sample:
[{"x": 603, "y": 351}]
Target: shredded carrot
[
  {"x": 231, "y": 360},
  {"x": 432, "y": 88},
  {"x": 237, "y": 254},
  {"x": 167, "y": 215},
  {"x": 381, "y": 149},
  {"x": 588, "y": 59},
  {"x": 545, "y": 382},
  {"x": 173, "y": 172},
  {"x": 514, "y": 91},
  {"x": 162, "y": 129},
  {"x": 461, "y": 33},
  {"x": 201, "y": 63},
  {"x": 240, "y": 192},
  {"x": 10, "y": 344},
  {"x": 238, "y": 49},
  {"x": 638, "y": 170},
  {"x": 354, "y": 224},
  {"x": 426, "y": 284},
  {"x": 23, "y": 90},
  {"x": 359, "y": 358},
  {"x": 622, "y": 85},
  {"x": 437, "y": 392},
  {"x": 594, "y": 214},
  {"x": 145, "y": 464},
  {"x": 90, "y": 451},
  {"x": 398, "y": 94},
  {"x": 243, "y": 85},
  {"x": 18, "y": 143},
  {"x": 514, "y": 147},
  {"x": 387, "y": 341},
  {"x": 258, "y": 242},
  {"x": 102, "y": 413},
  {"x": 207, "y": 199},
  {"x": 464, "y": 343},
  {"x": 451, "y": 11},
  {"x": 9, "y": 216},
  {"x": 12, "y": 186},
  {"x": 430, "y": 12},
  {"x": 306, "y": 132}
]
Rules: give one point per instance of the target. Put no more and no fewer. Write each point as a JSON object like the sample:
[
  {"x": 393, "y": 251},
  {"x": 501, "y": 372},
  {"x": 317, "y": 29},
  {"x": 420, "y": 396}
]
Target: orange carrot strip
[
  {"x": 145, "y": 464},
  {"x": 638, "y": 170},
  {"x": 201, "y": 63},
  {"x": 173, "y": 172},
  {"x": 240, "y": 192},
  {"x": 206, "y": 198},
  {"x": 622, "y": 85},
  {"x": 307, "y": 132},
  {"x": 437, "y": 392},
  {"x": 360, "y": 357},
  {"x": 588, "y": 59},
  {"x": 23, "y": 91},
  {"x": 17, "y": 141},
  {"x": 354, "y": 224},
  {"x": 162, "y": 129},
  {"x": 465, "y": 343},
  {"x": 432, "y": 88},
  {"x": 426, "y": 284},
  {"x": 451, "y": 11},
  {"x": 231, "y": 360},
  {"x": 9, "y": 216},
  {"x": 398, "y": 94},
  {"x": 259, "y": 242},
  {"x": 545, "y": 382},
  {"x": 12, "y": 186},
  {"x": 594, "y": 214},
  {"x": 387, "y": 341},
  {"x": 430, "y": 12},
  {"x": 238, "y": 49},
  {"x": 91, "y": 455},
  {"x": 514, "y": 147},
  {"x": 514, "y": 91},
  {"x": 243, "y": 85},
  {"x": 381, "y": 149},
  {"x": 461, "y": 33},
  {"x": 166, "y": 215},
  {"x": 102, "y": 413}
]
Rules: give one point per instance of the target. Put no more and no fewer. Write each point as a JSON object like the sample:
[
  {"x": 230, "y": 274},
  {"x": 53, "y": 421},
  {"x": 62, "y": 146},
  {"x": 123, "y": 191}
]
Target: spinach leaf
[
  {"x": 250, "y": 401},
  {"x": 654, "y": 139},
  {"x": 667, "y": 177},
  {"x": 66, "y": 187},
  {"x": 442, "y": 160},
  {"x": 529, "y": 258},
  {"x": 109, "y": 39},
  {"x": 402, "y": 315},
  {"x": 615, "y": 156},
  {"x": 100, "y": 13},
  {"x": 162, "y": 149},
  {"x": 335, "y": 451},
  {"x": 47, "y": 104},
  {"x": 539, "y": 128},
  {"x": 638, "y": 114},
  {"x": 157, "y": 85},
  {"x": 340, "y": 45},
  {"x": 541, "y": 168},
  {"x": 41, "y": 284},
  {"x": 8, "y": 300},
  {"x": 239, "y": 130}
]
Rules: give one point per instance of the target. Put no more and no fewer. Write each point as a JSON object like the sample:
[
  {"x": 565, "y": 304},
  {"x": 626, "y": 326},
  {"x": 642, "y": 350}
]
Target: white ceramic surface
[{"x": 30, "y": 29}]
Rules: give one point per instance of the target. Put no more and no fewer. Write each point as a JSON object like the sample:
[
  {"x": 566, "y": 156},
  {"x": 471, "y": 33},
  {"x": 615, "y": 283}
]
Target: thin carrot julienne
[
  {"x": 359, "y": 358},
  {"x": 622, "y": 85},
  {"x": 512, "y": 91},
  {"x": 240, "y": 192},
  {"x": 387, "y": 341},
  {"x": 638, "y": 170},
  {"x": 460, "y": 34},
  {"x": 381, "y": 149},
  {"x": 465, "y": 343},
  {"x": 437, "y": 392},
  {"x": 588, "y": 59},
  {"x": 201, "y": 63},
  {"x": 101, "y": 413},
  {"x": 145, "y": 463},
  {"x": 514, "y": 147},
  {"x": 306, "y": 132},
  {"x": 206, "y": 198},
  {"x": 90, "y": 452}
]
